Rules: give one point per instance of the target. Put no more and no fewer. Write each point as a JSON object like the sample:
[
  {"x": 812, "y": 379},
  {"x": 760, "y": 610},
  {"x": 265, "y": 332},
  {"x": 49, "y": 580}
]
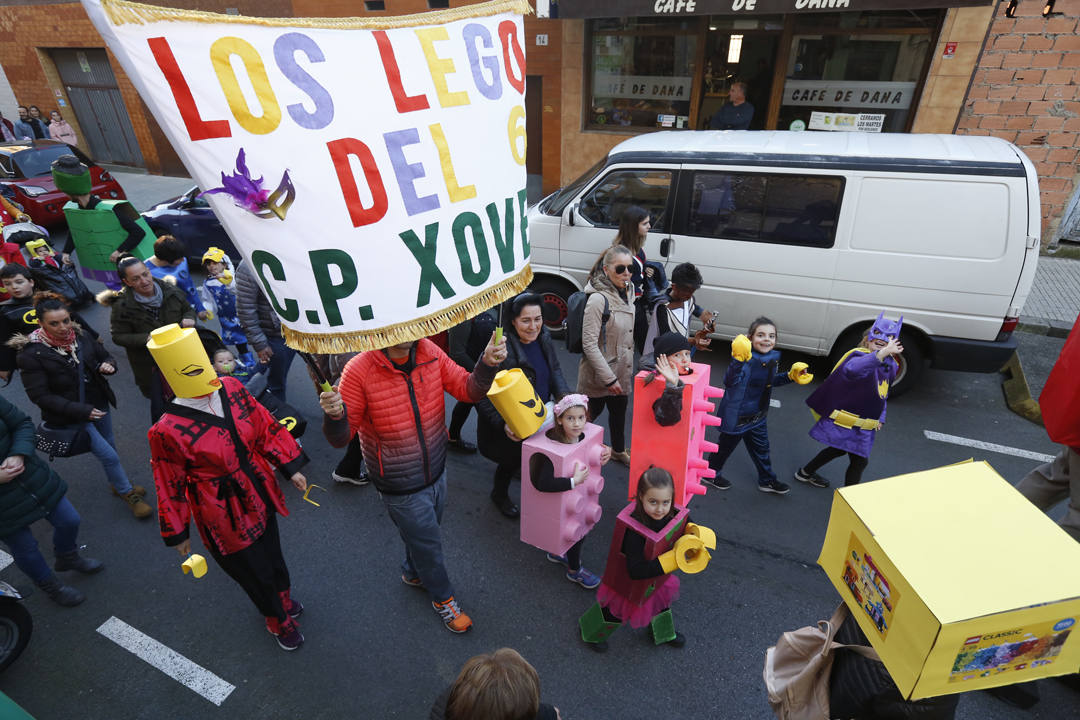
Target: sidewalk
[{"x": 1054, "y": 302}]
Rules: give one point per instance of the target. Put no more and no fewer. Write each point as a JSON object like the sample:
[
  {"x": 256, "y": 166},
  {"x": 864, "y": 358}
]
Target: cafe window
[
  {"x": 649, "y": 189},
  {"x": 642, "y": 73},
  {"x": 868, "y": 63},
  {"x": 774, "y": 208}
]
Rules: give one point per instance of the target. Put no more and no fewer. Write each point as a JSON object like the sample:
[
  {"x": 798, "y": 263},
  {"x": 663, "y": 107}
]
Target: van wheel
[
  {"x": 912, "y": 362},
  {"x": 555, "y": 293}
]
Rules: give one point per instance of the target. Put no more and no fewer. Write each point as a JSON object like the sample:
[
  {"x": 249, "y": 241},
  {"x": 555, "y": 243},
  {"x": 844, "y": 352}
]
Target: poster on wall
[{"x": 370, "y": 170}]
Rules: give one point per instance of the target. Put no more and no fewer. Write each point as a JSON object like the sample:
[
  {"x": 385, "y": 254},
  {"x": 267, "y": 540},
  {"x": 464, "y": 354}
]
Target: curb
[
  {"x": 1045, "y": 326},
  {"x": 1017, "y": 393}
]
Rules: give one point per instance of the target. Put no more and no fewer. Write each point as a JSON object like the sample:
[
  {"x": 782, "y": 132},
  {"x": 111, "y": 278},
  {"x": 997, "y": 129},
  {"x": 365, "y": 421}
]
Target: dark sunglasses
[{"x": 620, "y": 269}]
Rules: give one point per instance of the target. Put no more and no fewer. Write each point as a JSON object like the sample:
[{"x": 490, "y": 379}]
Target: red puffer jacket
[{"x": 400, "y": 418}]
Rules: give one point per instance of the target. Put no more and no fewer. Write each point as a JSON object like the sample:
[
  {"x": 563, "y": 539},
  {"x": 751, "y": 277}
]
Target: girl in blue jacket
[{"x": 744, "y": 408}]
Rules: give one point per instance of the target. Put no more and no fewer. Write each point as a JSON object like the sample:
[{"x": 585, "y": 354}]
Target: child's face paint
[
  {"x": 657, "y": 502},
  {"x": 572, "y": 422},
  {"x": 764, "y": 339}
]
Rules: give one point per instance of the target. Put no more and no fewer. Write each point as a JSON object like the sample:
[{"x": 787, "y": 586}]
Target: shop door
[
  {"x": 534, "y": 148},
  {"x": 98, "y": 105},
  {"x": 748, "y": 58}
]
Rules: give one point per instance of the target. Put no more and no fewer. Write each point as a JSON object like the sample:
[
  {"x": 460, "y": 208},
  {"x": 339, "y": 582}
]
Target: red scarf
[{"x": 66, "y": 343}]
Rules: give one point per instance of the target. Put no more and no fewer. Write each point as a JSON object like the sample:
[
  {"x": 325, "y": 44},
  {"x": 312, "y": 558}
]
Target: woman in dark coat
[
  {"x": 529, "y": 347},
  {"x": 51, "y": 360},
  {"x": 30, "y": 491}
]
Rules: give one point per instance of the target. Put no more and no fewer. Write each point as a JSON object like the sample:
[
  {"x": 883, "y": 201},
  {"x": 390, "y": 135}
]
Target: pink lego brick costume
[
  {"x": 679, "y": 448},
  {"x": 637, "y": 601},
  {"x": 554, "y": 521}
]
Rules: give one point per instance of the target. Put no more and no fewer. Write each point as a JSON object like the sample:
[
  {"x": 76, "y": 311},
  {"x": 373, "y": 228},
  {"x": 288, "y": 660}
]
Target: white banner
[
  {"x": 849, "y": 94},
  {"x": 372, "y": 171},
  {"x": 845, "y": 122}
]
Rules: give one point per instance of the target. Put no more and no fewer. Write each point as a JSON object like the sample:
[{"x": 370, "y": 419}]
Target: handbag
[
  {"x": 798, "y": 667},
  {"x": 66, "y": 441}
]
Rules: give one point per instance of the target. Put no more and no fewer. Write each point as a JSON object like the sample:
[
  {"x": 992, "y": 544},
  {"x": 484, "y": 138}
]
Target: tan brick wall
[
  {"x": 947, "y": 80},
  {"x": 1027, "y": 90}
]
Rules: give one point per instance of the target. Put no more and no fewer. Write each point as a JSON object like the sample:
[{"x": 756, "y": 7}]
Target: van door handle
[{"x": 666, "y": 246}]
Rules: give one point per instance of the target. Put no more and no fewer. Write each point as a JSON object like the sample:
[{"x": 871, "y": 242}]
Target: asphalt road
[{"x": 375, "y": 649}]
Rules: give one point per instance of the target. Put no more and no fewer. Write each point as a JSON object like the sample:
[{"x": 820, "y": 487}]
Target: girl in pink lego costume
[
  {"x": 571, "y": 414},
  {"x": 640, "y": 589}
]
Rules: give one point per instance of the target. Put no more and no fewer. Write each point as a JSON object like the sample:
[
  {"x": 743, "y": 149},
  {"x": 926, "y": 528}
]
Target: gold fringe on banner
[
  {"x": 332, "y": 343},
  {"x": 121, "y": 12}
]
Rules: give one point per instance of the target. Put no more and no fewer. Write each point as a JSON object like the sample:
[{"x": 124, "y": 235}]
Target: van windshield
[{"x": 557, "y": 202}]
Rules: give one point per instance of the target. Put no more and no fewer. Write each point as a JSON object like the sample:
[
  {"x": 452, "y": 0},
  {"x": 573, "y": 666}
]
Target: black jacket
[
  {"x": 490, "y": 436},
  {"x": 17, "y": 317},
  {"x": 861, "y": 689},
  {"x": 34, "y": 493},
  {"x": 52, "y": 380}
]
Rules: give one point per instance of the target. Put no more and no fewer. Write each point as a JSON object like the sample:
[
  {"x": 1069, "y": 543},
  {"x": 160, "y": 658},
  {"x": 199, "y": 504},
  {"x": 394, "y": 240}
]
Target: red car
[{"x": 25, "y": 178}]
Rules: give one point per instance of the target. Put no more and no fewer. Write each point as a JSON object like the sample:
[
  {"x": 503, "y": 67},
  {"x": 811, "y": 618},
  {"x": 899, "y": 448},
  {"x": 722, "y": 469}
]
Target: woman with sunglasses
[{"x": 607, "y": 340}]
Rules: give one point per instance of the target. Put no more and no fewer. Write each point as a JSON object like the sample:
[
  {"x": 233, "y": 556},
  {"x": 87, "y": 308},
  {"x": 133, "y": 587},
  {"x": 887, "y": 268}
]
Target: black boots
[
  {"x": 60, "y": 593},
  {"x": 73, "y": 561}
]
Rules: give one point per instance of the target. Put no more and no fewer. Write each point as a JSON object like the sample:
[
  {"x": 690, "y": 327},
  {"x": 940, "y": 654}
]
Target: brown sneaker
[
  {"x": 622, "y": 457},
  {"x": 138, "y": 507},
  {"x": 456, "y": 621}
]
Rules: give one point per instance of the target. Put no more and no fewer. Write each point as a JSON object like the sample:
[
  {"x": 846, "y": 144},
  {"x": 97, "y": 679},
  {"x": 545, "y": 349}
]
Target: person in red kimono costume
[{"x": 213, "y": 456}]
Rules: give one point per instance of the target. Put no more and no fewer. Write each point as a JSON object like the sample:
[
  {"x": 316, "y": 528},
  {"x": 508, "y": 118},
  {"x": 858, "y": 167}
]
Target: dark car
[
  {"x": 190, "y": 219},
  {"x": 25, "y": 178}
]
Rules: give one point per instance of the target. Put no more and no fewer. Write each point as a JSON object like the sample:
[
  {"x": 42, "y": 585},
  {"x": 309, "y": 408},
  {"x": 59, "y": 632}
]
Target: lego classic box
[{"x": 958, "y": 581}]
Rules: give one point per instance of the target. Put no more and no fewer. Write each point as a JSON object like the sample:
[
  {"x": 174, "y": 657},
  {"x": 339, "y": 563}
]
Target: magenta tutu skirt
[{"x": 638, "y": 616}]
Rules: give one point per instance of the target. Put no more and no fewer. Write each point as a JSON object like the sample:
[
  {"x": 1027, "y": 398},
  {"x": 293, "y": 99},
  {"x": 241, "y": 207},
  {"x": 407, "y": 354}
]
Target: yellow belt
[{"x": 850, "y": 420}]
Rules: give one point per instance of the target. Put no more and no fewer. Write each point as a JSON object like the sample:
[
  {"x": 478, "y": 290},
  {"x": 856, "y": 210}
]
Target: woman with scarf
[
  {"x": 605, "y": 372},
  {"x": 144, "y": 304},
  {"x": 63, "y": 371}
]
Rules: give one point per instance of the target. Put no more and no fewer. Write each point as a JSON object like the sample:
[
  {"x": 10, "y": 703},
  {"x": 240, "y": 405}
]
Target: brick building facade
[{"x": 1026, "y": 90}]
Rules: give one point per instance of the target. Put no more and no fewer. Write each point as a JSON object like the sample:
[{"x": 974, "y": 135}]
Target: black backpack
[{"x": 575, "y": 319}]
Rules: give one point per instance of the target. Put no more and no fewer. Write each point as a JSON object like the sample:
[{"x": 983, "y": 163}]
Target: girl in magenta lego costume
[
  {"x": 652, "y": 539},
  {"x": 748, "y": 383},
  {"x": 571, "y": 414},
  {"x": 850, "y": 405}
]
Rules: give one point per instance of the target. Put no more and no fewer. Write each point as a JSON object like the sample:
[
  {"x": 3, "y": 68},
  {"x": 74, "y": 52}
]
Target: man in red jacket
[
  {"x": 393, "y": 400},
  {"x": 1052, "y": 482}
]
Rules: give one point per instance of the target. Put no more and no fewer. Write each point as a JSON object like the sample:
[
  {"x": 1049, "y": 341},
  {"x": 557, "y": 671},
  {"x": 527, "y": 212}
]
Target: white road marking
[
  {"x": 992, "y": 447},
  {"x": 774, "y": 403},
  {"x": 5, "y": 559},
  {"x": 179, "y": 668}
]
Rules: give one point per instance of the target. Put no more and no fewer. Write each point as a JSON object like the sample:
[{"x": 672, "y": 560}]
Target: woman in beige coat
[{"x": 605, "y": 373}]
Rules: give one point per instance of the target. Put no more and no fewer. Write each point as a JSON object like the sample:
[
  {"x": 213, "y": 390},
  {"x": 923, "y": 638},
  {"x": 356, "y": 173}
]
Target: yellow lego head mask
[
  {"x": 183, "y": 361},
  {"x": 213, "y": 254},
  {"x": 33, "y": 246}
]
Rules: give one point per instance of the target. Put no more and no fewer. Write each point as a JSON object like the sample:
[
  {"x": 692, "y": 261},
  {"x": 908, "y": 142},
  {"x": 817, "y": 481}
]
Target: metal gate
[{"x": 98, "y": 105}]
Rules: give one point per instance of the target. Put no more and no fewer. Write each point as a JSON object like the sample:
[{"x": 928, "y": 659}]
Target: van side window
[
  {"x": 647, "y": 189},
  {"x": 786, "y": 209}
]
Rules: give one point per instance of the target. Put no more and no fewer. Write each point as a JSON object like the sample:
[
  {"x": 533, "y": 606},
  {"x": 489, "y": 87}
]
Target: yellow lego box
[{"x": 958, "y": 581}]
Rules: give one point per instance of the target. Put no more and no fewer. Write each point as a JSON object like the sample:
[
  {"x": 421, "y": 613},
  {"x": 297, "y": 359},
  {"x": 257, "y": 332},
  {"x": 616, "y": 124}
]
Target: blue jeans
[
  {"x": 278, "y": 367},
  {"x": 24, "y": 547},
  {"x": 756, "y": 438},
  {"x": 103, "y": 446},
  {"x": 418, "y": 516}
]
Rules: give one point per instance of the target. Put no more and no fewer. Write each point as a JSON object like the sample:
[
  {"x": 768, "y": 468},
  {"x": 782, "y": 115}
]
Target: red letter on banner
[
  {"x": 198, "y": 129},
  {"x": 509, "y": 38},
  {"x": 340, "y": 150},
  {"x": 405, "y": 103}
]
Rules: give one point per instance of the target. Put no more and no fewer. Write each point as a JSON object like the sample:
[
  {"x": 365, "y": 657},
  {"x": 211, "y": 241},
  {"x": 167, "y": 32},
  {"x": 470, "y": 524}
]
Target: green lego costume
[{"x": 102, "y": 226}]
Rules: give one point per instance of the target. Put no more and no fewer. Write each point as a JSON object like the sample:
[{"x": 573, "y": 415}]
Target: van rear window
[{"x": 764, "y": 207}]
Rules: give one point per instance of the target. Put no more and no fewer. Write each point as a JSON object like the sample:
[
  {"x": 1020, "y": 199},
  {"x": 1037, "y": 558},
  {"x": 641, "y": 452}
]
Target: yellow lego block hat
[
  {"x": 33, "y": 245},
  {"x": 213, "y": 254},
  {"x": 183, "y": 361}
]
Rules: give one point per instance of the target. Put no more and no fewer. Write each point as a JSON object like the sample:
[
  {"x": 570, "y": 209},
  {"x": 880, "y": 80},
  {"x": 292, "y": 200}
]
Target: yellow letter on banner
[
  {"x": 220, "y": 53},
  {"x": 440, "y": 67},
  {"x": 515, "y": 128},
  {"x": 457, "y": 193}
]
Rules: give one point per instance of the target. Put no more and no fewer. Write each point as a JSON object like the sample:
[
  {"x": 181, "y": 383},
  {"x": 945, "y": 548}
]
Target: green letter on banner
[
  {"x": 430, "y": 274},
  {"x": 260, "y": 260},
  {"x": 329, "y": 293},
  {"x": 480, "y": 275}
]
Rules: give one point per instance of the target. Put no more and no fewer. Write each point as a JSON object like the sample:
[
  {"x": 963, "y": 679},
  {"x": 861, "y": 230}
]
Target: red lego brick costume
[{"x": 1059, "y": 479}]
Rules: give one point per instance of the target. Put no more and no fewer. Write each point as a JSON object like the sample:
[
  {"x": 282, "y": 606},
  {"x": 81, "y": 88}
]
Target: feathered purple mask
[{"x": 250, "y": 194}]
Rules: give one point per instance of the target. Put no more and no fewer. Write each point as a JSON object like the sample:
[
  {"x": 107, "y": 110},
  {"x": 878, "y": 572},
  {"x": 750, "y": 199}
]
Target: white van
[{"x": 819, "y": 231}]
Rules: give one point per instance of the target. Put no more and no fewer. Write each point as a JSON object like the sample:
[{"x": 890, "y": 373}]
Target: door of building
[
  {"x": 534, "y": 148},
  {"x": 97, "y": 103}
]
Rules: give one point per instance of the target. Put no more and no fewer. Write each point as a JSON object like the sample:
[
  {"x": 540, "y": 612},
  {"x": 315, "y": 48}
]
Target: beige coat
[{"x": 601, "y": 366}]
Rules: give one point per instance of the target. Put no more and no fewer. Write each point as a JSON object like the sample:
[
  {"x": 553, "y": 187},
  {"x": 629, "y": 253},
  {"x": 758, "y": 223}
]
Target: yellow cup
[
  {"x": 195, "y": 564},
  {"x": 514, "y": 397}
]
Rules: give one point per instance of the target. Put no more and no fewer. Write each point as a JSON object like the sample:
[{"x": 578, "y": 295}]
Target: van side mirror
[
  {"x": 665, "y": 247},
  {"x": 570, "y": 213}
]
